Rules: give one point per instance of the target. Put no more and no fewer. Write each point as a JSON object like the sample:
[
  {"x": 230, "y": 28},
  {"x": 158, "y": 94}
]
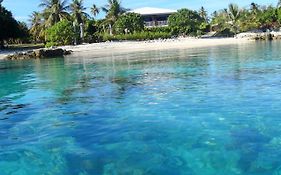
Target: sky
[{"x": 21, "y": 9}]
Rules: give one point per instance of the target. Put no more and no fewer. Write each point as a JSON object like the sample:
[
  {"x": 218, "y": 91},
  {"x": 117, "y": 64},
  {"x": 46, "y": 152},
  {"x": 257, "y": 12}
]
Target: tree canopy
[
  {"x": 54, "y": 11},
  {"x": 129, "y": 23},
  {"x": 78, "y": 11},
  {"x": 185, "y": 21},
  {"x": 62, "y": 33},
  {"x": 9, "y": 27},
  {"x": 113, "y": 10}
]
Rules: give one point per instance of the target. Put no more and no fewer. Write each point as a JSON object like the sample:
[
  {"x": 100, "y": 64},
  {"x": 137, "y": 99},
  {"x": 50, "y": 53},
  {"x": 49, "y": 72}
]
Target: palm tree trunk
[
  {"x": 81, "y": 32},
  {"x": 110, "y": 30}
]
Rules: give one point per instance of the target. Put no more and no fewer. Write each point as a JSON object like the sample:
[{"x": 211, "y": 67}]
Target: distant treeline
[{"x": 61, "y": 23}]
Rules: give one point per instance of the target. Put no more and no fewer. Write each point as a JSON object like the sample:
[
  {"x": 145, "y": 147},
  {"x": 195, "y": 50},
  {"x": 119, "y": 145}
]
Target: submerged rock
[
  {"x": 250, "y": 142},
  {"x": 244, "y": 136},
  {"x": 40, "y": 53}
]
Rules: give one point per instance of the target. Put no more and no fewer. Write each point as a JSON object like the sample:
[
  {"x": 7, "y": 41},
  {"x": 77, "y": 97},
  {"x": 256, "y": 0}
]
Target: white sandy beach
[{"x": 99, "y": 49}]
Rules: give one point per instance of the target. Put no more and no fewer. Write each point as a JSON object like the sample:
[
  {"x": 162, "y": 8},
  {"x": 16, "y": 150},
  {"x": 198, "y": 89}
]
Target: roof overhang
[{"x": 145, "y": 11}]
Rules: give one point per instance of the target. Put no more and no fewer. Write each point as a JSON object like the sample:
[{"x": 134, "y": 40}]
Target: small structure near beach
[{"x": 154, "y": 17}]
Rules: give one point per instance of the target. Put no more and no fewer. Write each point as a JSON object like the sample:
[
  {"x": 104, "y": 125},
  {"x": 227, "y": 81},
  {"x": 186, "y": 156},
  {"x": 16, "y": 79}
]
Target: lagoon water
[{"x": 207, "y": 111}]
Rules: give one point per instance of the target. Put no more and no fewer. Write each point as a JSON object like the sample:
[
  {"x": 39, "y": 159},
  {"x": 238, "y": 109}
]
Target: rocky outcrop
[
  {"x": 40, "y": 53},
  {"x": 260, "y": 35}
]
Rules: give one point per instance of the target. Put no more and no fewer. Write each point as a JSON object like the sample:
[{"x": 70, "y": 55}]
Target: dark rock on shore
[
  {"x": 265, "y": 37},
  {"x": 40, "y": 53}
]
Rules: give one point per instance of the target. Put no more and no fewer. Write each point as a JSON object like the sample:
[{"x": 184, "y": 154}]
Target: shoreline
[
  {"x": 100, "y": 49},
  {"x": 103, "y": 49}
]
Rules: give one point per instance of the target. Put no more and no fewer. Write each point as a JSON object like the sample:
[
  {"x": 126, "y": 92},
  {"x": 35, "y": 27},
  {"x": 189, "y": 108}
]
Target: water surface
[{"x": 205, "y": 111}]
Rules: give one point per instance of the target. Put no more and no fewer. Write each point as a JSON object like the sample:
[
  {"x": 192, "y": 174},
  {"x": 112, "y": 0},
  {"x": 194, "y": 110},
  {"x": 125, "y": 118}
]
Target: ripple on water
[{"x": 209, "y": 111}]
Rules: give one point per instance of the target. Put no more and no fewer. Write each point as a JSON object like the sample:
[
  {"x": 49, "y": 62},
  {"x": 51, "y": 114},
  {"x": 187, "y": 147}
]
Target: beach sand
[{"x": 100, "y": 49}]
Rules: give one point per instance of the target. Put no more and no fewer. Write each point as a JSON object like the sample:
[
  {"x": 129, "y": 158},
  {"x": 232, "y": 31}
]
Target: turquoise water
[{"x": 207, "y": 111}]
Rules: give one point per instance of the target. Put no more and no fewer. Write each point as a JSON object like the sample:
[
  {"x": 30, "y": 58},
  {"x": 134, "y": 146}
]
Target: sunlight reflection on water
[{"x": 205, "y": 111}]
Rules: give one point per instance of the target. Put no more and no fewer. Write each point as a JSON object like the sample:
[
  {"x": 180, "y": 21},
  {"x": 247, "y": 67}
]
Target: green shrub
[
  {"x": 185, "y": 22},
  {"x": 130, "y": 21},
  {"x": 158, "y": 29},
  {"x": 92, "y": 28},
  {"x": 140, "y": 36},
  {"x": 61, "y": 33}
]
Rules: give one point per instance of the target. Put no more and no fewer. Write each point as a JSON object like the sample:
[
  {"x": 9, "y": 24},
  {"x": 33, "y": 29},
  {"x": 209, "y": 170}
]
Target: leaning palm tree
[
  {"x": 54, "y": 11},
  {"x": 78, "y": 11},
  {"x": 37, "y": 26},
  {"x": 35, "y": 18},
  {"x": 95, "y": 10}
]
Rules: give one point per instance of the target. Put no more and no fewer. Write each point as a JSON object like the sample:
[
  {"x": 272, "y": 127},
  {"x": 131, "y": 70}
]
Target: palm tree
[
  {"x": 234, "y": 14},
  {"x": 279, "y": 4},
  {"x": 54, "y": 11},
  {"x": 220, "y": 19},
  {"x": 203, "y": 14},
  {"x": 78, "y": 11},
  {"x": 95, "y": 10},
  {"x": 214, "y": 14},
  {"x": 35, "y": 18},
  {"x": 254, "y": 12},
  {"x": 113, "y": 10},
  {"x": 254, "y": 7},
  {"x": 37, "y": 26}
]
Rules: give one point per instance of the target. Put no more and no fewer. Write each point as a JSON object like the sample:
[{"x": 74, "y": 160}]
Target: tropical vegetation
[
  {"x": 61, "y": 22},
  {"x": 256, "y": 17},
  {"x": 129, "y": 23},
  {"x": 185, "y": 22},
  {"x": 10, "y": 29},
  {"x": 62, "y": 33}
]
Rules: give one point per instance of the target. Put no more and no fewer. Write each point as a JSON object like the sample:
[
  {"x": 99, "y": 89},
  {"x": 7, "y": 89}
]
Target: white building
[{"x": 154, "y": 16}]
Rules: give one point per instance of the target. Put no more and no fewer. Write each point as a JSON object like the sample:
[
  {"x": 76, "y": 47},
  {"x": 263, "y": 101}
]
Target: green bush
[
  {"x": 185, "y": 22},
  {"x": 61, "y": 33},
  {"x": 158, "y": 29},
  {"x": 269, "y": 18},
  {"x": 140, "y": 36},
  {"x": 91, "y": 31},
  {"x": 130, "y": 21}
]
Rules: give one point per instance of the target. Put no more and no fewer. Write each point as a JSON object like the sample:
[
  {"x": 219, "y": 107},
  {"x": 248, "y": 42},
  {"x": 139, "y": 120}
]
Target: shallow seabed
[{"x": 207, "y": 111}]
